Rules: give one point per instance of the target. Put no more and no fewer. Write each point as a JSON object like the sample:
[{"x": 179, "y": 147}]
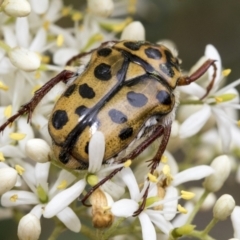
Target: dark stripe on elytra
[
  {"x": 170, "y": 58},
  {"x": 59, "y": 119},
  {"x": 90, "y": 116},
  {"x": 167, "y": 69},
  {"x": 125, "y": 133},
  {"x": 85, "y": 91},
  {"x": 69, "y": 90}
]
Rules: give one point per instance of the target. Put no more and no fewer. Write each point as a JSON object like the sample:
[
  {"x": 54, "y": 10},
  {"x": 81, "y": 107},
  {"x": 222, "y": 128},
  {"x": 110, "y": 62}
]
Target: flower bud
[
  {"x": 38, "y": 150},
  {"x": 102, "y": 8},
  {"x": 16, "y": 8},
  {"x": 101, "y": 214},
  {"x": 222, "y": 168},
  {"x": 8, "y": 178},
  {"x": 134, "y": 31},
  {"x": 223, "y": 207},
  {"x": 24, "y": 59},
  {"x": 29, "y": 227}
]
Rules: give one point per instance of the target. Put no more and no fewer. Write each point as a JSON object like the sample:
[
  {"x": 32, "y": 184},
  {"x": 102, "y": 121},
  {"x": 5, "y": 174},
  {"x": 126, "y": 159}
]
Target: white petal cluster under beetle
[{"x": 126, "y": 91}]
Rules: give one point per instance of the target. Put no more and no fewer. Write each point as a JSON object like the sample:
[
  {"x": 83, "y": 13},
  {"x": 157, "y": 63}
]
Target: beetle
[{"x": 127, "y": 90}]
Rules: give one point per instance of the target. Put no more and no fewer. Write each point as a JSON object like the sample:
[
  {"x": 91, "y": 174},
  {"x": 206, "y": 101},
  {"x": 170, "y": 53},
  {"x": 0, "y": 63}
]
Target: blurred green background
[{"x": 191, "y": 25}]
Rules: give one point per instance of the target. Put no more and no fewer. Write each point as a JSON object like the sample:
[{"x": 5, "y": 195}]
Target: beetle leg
[
  {"x": 186, "y": 80},
  {"x": 159, "y": 131},
  {"x": 154, "y": 163},
  {"x": 29, "y": 107}
]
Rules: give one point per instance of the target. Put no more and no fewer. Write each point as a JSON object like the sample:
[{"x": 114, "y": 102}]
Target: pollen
[
  {"x": 3, "y": 86},
  {"x": 152, "y": 178},
  {"x": 226, "y": 72},
  {"x": 45, "y": 59},
  {"x": 187, "y": 195},
  {"x": 77, "y": 16},
  {"x": 218, "y": 99},
  {"x": 62, "y": 185},
  {"x": 17, "y": 136},
  {"x": 19, "y": 169},
  {"x": 127, "y": 163},
  {"x": 166, "y": 170},
  {"x": 2, "y": 159},
  {"x": 181, "y": 209},
  {"x": 60, "y": 40},
  {"x": 238, "y": 123},
  {"x": 8, "y": 111},
  {"x": 14, "y": 198},
  {"x": 164, "y": 159}
]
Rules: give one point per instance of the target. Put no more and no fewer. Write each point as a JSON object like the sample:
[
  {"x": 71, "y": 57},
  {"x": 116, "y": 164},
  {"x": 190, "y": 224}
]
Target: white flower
[
  {"x": 41, "y": 194},
  {"x": 29, "y": 227},
  {"x": 8, "y": 179},
  {"x": 235, "y": 217},
  {"x": 218, "y": 103},
  {"x": 16, "y": 8}
]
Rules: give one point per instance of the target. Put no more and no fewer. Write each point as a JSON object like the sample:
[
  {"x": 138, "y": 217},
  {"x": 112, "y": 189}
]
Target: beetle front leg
[
  {"x": 29, "y": 107},
  {"x": 186, "y": 80}
]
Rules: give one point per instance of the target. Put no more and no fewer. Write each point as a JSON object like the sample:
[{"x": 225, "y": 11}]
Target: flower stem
[
  {"x": 197, "y": 207},
  {"x": 57, "y": 230},
  {"x": 89, "y": 233},
  {"x": 209, "y": 227}
]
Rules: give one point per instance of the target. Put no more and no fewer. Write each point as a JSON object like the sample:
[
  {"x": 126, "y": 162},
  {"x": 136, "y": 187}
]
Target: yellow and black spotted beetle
[{"x": 126, "y": 91}]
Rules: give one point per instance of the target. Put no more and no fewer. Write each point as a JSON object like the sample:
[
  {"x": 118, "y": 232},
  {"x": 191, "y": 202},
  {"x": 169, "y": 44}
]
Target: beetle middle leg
[{"x": 29, "y": 107}]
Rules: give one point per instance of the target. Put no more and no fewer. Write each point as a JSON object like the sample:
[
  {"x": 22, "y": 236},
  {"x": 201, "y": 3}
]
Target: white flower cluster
[{"x": 33, "y": 48}]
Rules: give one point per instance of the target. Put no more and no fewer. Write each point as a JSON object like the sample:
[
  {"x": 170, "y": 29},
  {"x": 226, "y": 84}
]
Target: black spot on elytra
[
  {"x": 86, "y": 92},
  {"x": 69, "y": 90},
  {"x": 103, "y": 72},
  {"x": 153, "y": 53},
  {"x": 125, "y": 133},
  {"x": 117, "y": 116},
  {"x": 86, "y": 148},
  {"x": 136, "y": 99},
  {"x": 171, "y": 60},
  {"x": 81, "y": 110},
  {"x": 164, "y": 97},
  {"x": 167, "y": 69},
  {"x": 104, "y": 52},
  {"x": 64, "y": 157},
  {"x": 59, "y": 119},
  {"x": 132, "y": 45}
]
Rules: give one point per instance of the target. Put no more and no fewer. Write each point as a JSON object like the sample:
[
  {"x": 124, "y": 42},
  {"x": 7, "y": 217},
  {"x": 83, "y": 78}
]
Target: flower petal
[
  {"x": 63, "y": 199},
  {"x": 39, "y": 7},
  {"x": 191, "y": 174},
  {"x": 124, "y": 208},
  {"x": 96, "y": 151},
  {"x": 61, "y": 56},
  {"x": 169, "y": 207},
  {"x": 41, "y": 174},
  {"x": 148, "y": 230},
  {"x": 130, "y": 180},
  {"x": 195, "y": 122},
  {"x": 69, "y": 219},
  {"x": 157, "y": 218},
  {"x": 22, "y": 32},
  {"x": 16, "y": 198},
  {"x": 236, "y": 221}
]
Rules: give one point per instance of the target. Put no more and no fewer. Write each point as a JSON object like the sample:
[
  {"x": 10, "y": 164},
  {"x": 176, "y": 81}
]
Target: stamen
[
  {"x": 2, "y": 159},
  {"x": 77, "y": 16},
  {"x": 14, "y": 198},
  {"x": 20, "y": 170},
  {"x": 46, "y": 25},
  {"x": 3, "y": 86},
  {"x": 42, "y": 195},
  {"x": 225, "y": 97},
  {"x": 164, "y": 159},
  {"x": 127, "y": 163},
  {"x": 166, "y": 170},
  {"x": 187, "y": 195},
  {"x": 62, "y": 185},
  {"x": 181, "y": 209},
  {"x": 17, "y": 136},
  {"x": 8, "y": 111},
  {"x": 226, "y": 72},
  {"x": 152, "y": 178},
  {"x": 66, "y": 11},
  {"x": 60, "y": 40},
  {"x": 238, "y": 123}
]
